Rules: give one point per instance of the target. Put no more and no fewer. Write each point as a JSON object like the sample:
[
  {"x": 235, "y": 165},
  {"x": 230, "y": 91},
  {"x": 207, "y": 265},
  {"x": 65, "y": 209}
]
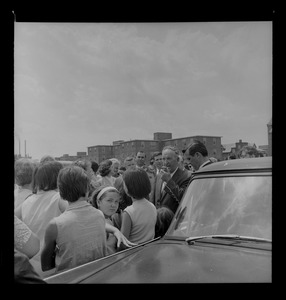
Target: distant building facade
[
  {"x": 66, "y": 157},
  {"x": 229, "y": 149},
  {"x": 121, "y": 149}
]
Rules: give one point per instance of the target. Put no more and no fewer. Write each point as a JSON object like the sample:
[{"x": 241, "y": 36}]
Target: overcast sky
[{"x": 84, "y": 84}]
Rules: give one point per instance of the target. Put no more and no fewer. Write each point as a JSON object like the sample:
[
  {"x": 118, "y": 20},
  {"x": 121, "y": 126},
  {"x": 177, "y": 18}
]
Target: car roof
[{"x": 238, "y": 164}]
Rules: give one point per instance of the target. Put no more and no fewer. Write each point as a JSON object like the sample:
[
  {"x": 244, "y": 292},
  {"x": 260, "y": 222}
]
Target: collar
[
  {"x": 205, "y": 163},
  {"x": 174, "y": 172},
  {"x": 77, "y": 204}
]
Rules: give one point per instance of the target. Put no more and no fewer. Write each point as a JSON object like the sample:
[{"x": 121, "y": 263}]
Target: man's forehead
[{"x": 167, "y": 152}]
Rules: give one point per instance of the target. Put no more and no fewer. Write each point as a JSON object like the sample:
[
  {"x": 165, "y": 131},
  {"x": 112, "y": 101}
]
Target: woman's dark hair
[
  {"x": 105, "y": 167},
  {"x": 45, "y": 176},
  {"x": 94, "y": 166},
  {"x": 73, "y": 183},
  {"x": 137, "y": 183},
  {"x": 164, "y": 218}
]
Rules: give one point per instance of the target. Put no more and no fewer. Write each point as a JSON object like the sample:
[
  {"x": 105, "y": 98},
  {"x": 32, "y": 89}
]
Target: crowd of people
[{"x": 66, "y": 216}]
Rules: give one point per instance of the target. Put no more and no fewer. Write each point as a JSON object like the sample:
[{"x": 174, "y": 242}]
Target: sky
[{"x": 78, "y": 85}]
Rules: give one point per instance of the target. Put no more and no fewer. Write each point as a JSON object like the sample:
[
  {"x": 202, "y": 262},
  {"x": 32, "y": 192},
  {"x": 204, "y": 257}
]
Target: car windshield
[{"x": 225, "y": 205}]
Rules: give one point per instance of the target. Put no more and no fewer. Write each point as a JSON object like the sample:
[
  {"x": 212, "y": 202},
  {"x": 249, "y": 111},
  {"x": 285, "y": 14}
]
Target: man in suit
[
  {"x": 171, "y": 182},
  {"x": 196, "y": 154}
]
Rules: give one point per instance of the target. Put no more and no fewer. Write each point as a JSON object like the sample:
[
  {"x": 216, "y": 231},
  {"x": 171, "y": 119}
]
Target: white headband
[{"x": 107, "y": 188}]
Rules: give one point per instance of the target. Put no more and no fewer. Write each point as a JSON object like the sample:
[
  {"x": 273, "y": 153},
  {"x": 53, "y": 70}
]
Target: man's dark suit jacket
[{"x": 173, "y": 190}]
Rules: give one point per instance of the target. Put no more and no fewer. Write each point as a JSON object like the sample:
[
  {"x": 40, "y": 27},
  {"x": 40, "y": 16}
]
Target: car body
[{"x": 221, "y": 233}]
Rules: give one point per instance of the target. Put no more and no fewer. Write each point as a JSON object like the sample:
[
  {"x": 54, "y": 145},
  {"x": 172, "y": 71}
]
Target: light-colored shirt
[
  {"x": 106, "y": 181},
  {"x": 20, "y": 194},
  {"x": 37, "y": 211},
  {"x": 203, "y": 164},
  {"x": 143, "y": 215},
  {"x": 81, "y": 235}
]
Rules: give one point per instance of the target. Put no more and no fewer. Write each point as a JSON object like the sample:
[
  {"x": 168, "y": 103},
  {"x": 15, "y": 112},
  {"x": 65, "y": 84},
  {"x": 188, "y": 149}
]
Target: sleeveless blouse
[
  {"x": 37, "y": 211},
  {"x": 81, "y": 236},
  {"x": 143, "y": 215}
]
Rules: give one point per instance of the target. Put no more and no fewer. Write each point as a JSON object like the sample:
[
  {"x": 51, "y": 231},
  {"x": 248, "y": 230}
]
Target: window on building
[
  {"x": 214, "y": 141},
  {"x": 214, "y": 151},
  {"x": 142, "y": 144},
  {"x": 204, "y": 140}
]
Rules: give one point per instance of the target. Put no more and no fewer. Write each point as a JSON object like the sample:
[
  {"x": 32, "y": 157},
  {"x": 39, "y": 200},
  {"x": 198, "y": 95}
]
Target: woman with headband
[
  {"x": 78, "y": 235},
  {"x": 107, "y": 199}
]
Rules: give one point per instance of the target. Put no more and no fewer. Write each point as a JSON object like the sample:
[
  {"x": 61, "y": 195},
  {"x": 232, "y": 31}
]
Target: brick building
[{"x": 121, "y": 149}]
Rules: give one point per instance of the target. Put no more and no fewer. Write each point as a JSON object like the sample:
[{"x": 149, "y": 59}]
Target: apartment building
[{"x": 121, "y": 149}]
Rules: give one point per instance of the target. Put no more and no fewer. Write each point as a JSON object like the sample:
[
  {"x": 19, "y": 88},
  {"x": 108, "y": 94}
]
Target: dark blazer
[{"x": 173, "y": 190}]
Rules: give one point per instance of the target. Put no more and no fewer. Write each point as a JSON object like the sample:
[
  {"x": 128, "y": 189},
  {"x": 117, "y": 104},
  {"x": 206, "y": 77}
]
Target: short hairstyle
[
  {"x": 94, "y": 166},
  {"x": 197, "y": 146},
  {"x": 73, "y": 183},
  {"x": 46, "y": 175},
  {"x": 114, "y": 160},
  {"x": 164, "y": 218},
  {"x": 46, "y": 158},
  {"x": 105, "y": 167},
  {"x": 137, "y": 183},
  {"x": 24, "y": 168},
  {"x": 157, "y": 153},
  {"x": 173, "y": 148},
  {"x": 141, "y": 151}
]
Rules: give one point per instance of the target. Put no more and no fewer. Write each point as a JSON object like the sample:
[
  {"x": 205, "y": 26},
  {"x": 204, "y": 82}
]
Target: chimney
[{"x": 25, "y": 149}]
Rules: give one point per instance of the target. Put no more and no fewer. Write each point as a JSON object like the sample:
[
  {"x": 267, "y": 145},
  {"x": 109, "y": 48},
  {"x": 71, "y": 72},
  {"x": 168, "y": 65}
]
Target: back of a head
[
  {"x": 94, "y": 166},
  {"x": 24, "y": 168},
  {"x": 164, "y": 218},
  {"x": 197, "y": 146},
  {"x": 137, "y": 183},
  {"x": 46, "y": 158},
  {"x": 46, "y": 175},
  {"x": 73, "y": 183},
  {"x": 105, "y": 167}
]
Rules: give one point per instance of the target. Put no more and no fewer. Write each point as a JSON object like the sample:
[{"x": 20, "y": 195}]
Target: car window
[{"x": 225, "y": 205}]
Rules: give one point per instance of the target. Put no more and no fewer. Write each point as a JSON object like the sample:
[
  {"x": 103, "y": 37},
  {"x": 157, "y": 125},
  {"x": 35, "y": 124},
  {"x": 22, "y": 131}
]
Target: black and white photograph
[{"x": 143, "y": 152}]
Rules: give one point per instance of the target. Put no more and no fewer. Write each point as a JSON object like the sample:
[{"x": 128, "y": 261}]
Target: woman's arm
[
  {"x": 32, "y": 247},
  {"x": 119, "y": 235},
  {"x": 48, "y": 252},
  {"x": 126, "y": 224},
  {"x": 25, "y": 240}
]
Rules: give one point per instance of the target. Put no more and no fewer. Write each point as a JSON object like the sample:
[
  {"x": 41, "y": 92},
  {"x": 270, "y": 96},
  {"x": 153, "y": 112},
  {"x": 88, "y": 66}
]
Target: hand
[
  {"x": 122, "y": 239},
  {"x": 165, "y": 174}
]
